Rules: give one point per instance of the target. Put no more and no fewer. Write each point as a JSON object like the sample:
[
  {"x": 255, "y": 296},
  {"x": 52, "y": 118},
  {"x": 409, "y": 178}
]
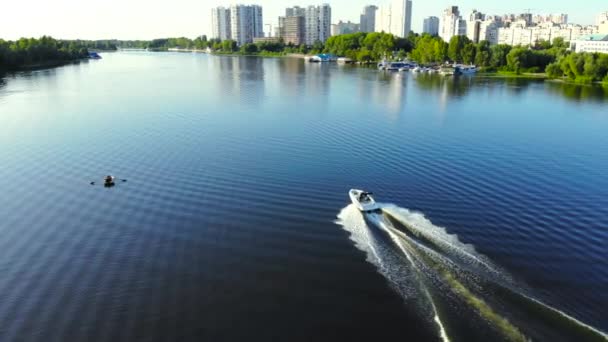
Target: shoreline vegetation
[
  {"x": 46, "y": 52},
  {"x": 542, "y": 60}
]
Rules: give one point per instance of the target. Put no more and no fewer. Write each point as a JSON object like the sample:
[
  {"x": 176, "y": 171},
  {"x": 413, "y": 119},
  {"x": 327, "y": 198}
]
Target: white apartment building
[
  {"x": 474, "y": 26},
  {"x": 431, "y": 26},
  {"x": 488, "y": 30},
  {"x": 246, "y": 23},
  {"x": 452, "y": 24},
  {"x": 368, "y": 19},
  {"x": 395, "y": 18},
  {"x": 591, "y": 43},
  {"x": 518, "y": 34},
  {"x": 317, "y": 24},
  {"x": 602, "y": 22},
  {"x": 383, "y": 19},
  {"x": 220, "y": 23},
  {"x": 401, "y": 17}
]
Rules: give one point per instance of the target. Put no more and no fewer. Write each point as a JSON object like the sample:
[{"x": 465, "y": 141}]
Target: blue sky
[{"x": 146, "y": 19}]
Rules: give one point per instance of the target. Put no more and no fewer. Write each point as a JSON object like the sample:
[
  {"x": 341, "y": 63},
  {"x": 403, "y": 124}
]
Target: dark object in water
[{"x": 109, "y": 181}]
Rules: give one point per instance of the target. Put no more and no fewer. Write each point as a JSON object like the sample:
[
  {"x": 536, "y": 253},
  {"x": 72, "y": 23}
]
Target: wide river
[{"x": 234, "y": 221}]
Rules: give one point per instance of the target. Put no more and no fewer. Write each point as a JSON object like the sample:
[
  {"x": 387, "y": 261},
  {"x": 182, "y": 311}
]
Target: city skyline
[{"x": 140, "y": 19}]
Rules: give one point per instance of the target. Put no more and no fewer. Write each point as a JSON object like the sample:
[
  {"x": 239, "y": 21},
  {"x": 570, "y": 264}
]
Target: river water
[{"x": 233, "y": 220}]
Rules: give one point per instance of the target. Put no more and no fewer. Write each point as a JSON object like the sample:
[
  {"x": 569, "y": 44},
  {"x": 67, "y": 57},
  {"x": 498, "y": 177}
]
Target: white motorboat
[{"x": 363, "y": 200}]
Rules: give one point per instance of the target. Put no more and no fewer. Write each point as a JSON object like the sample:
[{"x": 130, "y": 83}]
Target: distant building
[
  {"x": 431, "y": 26},
  {"x": 591, "y": 43},
  {"x": 344, "y": 28},
  {"x": 293, "y": 30},
  {"x": 368, "y": 19},
  {"x": 295, "y": 11},
  {"x": 488, "y": 30},
  {"x": 452, "y": 24},
  {"x": 520, "y": 34},
  {"x": 602, "y": 22},
  {"x": 317, "y": 24},
  {"x": 383, "y": 19},
  {"x": 395, "y": 18},
  {"x": 474, "y": 26},
  {"x": 246, "y": 23},
  {"x": 401, "y": 17},
  {"x": 220, "y": 23},
  {"x": 266, "y": 40}
]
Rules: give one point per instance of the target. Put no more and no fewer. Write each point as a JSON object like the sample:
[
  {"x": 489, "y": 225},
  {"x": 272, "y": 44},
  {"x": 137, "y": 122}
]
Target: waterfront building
[
  {"x": 344, "y": 28},
  {"x": 383, "y": 19},
  {"x": 368, "y": 19},
  {"x": 474, "y": 26},
  {"x": 266, "y": 40},
  {"x": 246, "y": 23},
  {"x": 220, "y": 23},
  {"x": 431, "y": 26},
  {"x": 488, "y": 30},
  {"x": 602, "y": 22},
  {"x": 590, "y": 43},
  {"x": 293, "y": 30},
  {"x": 295, "y": 11},
  {"x": 317, "y": 24},
  {"x": 520, "y": 34},
  {"x": 395, "y": 18},
  {"x": 452, "y": 24}
]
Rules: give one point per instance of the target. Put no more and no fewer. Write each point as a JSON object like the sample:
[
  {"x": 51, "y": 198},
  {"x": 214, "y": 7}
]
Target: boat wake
[{"x": 456, "y": 289}]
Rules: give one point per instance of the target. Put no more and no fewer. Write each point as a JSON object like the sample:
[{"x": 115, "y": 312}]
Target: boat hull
[{"x": 366, "y": 207}]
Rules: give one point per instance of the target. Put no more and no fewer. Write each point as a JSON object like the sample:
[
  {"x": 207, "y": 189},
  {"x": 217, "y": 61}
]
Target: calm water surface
[{"x": 234, "y": 225}]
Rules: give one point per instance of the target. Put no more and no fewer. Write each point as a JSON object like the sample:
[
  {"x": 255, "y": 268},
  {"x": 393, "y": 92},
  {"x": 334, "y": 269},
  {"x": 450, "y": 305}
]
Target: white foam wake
[
  {"x": 448, "y": 243},
  {"x": 402, "y": 278}
]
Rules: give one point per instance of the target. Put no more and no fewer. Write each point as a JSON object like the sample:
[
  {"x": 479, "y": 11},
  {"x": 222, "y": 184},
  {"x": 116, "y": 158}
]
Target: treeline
[
  {"x": 430, "y": 49},
  {"x": 580, "y": 67},
  {"x": 31, "y": 52}
]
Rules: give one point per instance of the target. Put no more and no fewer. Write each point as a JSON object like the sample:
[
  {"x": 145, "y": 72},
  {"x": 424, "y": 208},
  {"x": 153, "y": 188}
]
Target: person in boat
[
  {"x": 364, "y": 197},
  {"x": 109, "y": 181}
]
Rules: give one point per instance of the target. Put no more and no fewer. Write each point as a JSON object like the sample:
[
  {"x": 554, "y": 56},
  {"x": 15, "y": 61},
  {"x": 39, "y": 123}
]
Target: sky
[{"x": 148, "y": 19}]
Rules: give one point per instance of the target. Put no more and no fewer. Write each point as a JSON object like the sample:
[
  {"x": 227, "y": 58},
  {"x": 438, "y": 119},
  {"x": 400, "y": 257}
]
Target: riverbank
[{"x": 39, "y": 66}]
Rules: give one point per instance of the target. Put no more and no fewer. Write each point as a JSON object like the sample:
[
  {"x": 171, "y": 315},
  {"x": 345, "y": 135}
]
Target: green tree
[
  {"x": 554, "y": 70},
  {"x": 456, "y": 48},
  {"x": 483, "y": 55},
  {"x": 249, "y": 49},
  {"x": 229, "y": 45},
  {"x": 499, "y": 55}
]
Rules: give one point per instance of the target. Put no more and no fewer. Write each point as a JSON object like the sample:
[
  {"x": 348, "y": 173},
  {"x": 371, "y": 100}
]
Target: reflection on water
[{"x": 579, "y": 93}]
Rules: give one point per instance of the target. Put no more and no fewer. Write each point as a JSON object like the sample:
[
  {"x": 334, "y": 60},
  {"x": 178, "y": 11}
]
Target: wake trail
[
  {"x": 436, "y": 261},
  {"x": 351, "y": 219}
]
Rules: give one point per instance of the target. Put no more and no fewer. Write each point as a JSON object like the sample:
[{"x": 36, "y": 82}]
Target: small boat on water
[
  {"x": 467, "y": 69},
  {"x": 94, "y": 55},
  {"x": 363, "y": 200},
  {"x": 447, "y": 71}
]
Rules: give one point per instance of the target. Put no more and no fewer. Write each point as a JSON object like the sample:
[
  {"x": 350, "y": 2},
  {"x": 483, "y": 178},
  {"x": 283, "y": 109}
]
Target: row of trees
[
  {"x": 31, "y": 52},
  {"x": 580, "y": 67},
  {"x": 429, "y": 49}
]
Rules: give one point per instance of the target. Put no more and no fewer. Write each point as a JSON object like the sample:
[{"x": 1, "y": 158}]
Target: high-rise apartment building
[
  {"x": 317, "y": 24},
  {"x": 220, "y": 23},
  {"x": 401, "y": 17},
  {"x": 452, "y": 24},
  {"x": 246, "y": 23},
  {"x": 368, "y": 19},
  {"x": 293, "y": 30},
  {"x": 344, "y": 28},
  {"x": 295, "y": 11},
  {"x": 431, "y": 26},
  {"x": 383, "y": 19},
  {"x": 395, "y": 18},
  {"x": 602, "y": 22},
  {"x": 474, "y": 26}
]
